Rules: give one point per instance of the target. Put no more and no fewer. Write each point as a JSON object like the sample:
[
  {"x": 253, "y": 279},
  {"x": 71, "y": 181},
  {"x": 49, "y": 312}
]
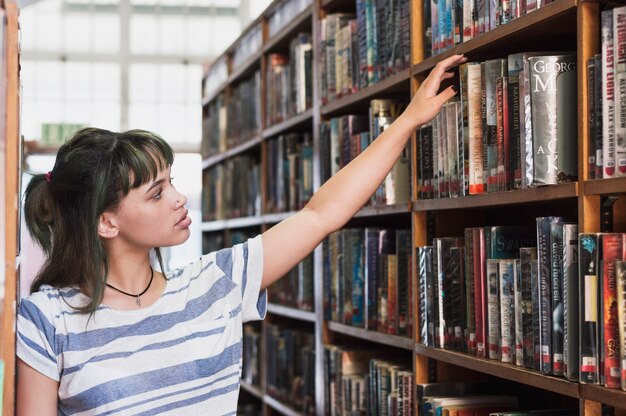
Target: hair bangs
[{"x": 144, "y": 155}]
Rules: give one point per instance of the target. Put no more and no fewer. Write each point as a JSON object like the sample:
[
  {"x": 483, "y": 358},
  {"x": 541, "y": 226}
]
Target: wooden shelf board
[
  {"x": 391, "y": 83},
  {"x": 290, "y": 312},
  {"x": 601, "y": 394},
  {"x": 502, "y": 370},
  {"x": 372, "y": 336},
  {"x": 300, "y": 23},
  {"x": 605, "y": 186},
  {"x": 251, "y": 388},
  {"x": 502, "y": 34},
  {"x": 206, "y": 100},
  {"x": 221, "y": 225},
  {"x": 250, "y": 64},
  {"x": 522, "y": 196},
  {"x": 375, "y": 211},
  {"x": 280, "y": 407},
  {"x": 290, "y": 123},
  {"x": 249, "y": 144}
]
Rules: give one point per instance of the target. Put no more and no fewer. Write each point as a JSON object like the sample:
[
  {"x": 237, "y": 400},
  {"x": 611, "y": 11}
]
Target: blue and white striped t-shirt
[{"x": 180, "y": 355}]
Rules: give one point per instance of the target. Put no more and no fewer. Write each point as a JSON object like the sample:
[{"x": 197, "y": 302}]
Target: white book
[{"x": 608, "y": 98}]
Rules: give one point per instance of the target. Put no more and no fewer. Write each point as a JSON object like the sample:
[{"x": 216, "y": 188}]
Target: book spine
[
  {"x": 474, "y": 108},
  {"x": 452, "y": 121},
  {"x": 608, "y": 99},
  {"x": 570, "y": 301},
  {"x": 358, "y": 277},
  {"x": 519, "y": 328},
  {"x": 599, "y": 136},
  {"x": 470, "y": 291},
  {"x": 619, "y": 37},
  {"x": 502, "y": 131},
  {"x": 620, "y": 272},
  {"x": 528, "y": 317},
  {"x": 464, "y": 146},
  {"x": 526, "y": 130},
  {"x": 493, "y": 311},
  {"x": 457, "y": 298},
  {"x": 534, "y": 270},
  {"x": 506, "y": 282},
  {"x": 553, "y": 90},
  {"x": 513, "y": 99},
  {"x": 480, "y": 292},
  {"x": 468, "y": 22},
  {"x": 403, "y": 245},
  {"x": 611, "y": 252},
  {"x": 556, "y": 272},
  {"x": 493, "y": 71},
  {"x": 544, "y": 286},
  {"x": 588, "y": 257},
  {"x": 591, "y": 125}
]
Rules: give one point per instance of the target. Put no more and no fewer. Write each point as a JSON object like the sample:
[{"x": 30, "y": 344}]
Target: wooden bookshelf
[
  {"x": 610, "y": 397},
  {"x": 289, "y": 312},
  {"x": 380, "y": 210},
  {"x": 206, "y": 100},
  {"x": 372, "y": 336},
  {"x": 252, "y": 389},
  {"x": 252, "y": 63},
  {"x": 524, "y": 196},
  {"x": 296, "y": 122},
  {"x": 503, "y": 370},
  {"x": 301, "y": 23},
  {"x": 560, "y": 25},
  {"x": 11, "y": 178},
  {"x": 279, "y": 407},
  {"x": 245, "y": 146},
  {"x": 396, "y": 83},
  {"x": 542, "y": 23},
  {"x": 611, "y": 186}
]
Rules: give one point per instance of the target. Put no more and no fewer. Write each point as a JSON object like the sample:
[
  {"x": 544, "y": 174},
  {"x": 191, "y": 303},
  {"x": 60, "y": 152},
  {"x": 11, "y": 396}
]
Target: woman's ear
[{"x": 107, "y": 227}]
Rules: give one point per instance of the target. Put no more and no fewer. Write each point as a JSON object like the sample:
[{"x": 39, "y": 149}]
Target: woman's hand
[{"x": 426, "y": 103}]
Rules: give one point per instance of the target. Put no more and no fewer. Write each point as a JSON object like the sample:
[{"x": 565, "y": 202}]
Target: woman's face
[{"x": 153, "y": 215}]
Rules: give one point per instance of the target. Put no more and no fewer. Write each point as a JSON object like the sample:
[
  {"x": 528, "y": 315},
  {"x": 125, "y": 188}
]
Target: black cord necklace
[{"x": 137, "y": 301}]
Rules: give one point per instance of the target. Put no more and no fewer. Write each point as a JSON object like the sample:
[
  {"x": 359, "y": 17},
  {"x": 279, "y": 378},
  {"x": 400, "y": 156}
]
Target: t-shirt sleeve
[
  {"x": 36, "y": 335},
  {"x": 243, "y": 263}
]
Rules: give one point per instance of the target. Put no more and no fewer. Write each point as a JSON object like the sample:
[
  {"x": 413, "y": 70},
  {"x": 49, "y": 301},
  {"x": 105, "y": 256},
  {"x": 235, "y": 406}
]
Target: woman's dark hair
[{"x": 93, "y": 171}]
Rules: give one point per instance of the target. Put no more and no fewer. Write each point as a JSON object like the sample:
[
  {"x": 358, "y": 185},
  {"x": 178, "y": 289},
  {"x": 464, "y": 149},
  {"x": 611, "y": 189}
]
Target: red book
[{"x": 612, "y": 250}]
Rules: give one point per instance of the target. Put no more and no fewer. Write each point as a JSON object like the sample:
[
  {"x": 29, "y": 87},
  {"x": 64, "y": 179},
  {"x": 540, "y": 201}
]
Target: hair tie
[{"x": 48, "y": 176}]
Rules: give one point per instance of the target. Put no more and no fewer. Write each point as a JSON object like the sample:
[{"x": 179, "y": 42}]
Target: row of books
[
  {"x": 476, "y": 399},
  {"x": 520, "y": 293},
  {"x": 250, "y": 409},
  {"x": 232, "y": 189},
  {"x": 514, "y": 127},
  {"x": 366, "y": 277},
  {"x": 230, "y": 120},
  {"x": 214, "y": 241},
  {"x": 289, "y": 172},
  {"x": 606, "y": 86},
  {"x": 291, "y": 367},
  {"x": 360, "y": 50},
  {"x": 295, "y": 289},
  {"x": 343, "y": 138},
  {"x": 283, "y": 13},
  {"x": 289, "y": 80},
  {"x": 366, "y": 382},
  {"x": 448, "y": 23}
]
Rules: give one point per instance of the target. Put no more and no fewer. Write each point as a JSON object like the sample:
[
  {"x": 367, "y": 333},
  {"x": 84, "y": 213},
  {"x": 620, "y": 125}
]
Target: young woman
[{"x": 105, "y": 334}]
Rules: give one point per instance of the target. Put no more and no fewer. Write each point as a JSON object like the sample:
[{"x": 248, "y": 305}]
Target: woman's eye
[{"x": 157, "y": 195}]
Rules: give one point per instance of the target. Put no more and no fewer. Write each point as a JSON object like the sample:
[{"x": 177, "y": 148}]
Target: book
[
  {"x": 553, "y": 91},
  {"x": 619, "y": 37},
  {"x": 506, "y": 274},
  {"x": 620, "y": 271},
  {"x": 525, "y": 312},
  {"x": 608, "y": 98},
  {"x": 493, "y": 309},
  {"x": 570, "y": 302},
  {"x": 588, "y": 251},
  {"x": 612, "y": 247},
  {"x": 556, "y": 301}
]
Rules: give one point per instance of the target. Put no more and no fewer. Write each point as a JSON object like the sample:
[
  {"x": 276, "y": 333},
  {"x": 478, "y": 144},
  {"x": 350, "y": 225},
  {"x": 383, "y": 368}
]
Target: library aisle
[
  {"x": 485, "y": 276},
  {"x": 459, "y": 278}
]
